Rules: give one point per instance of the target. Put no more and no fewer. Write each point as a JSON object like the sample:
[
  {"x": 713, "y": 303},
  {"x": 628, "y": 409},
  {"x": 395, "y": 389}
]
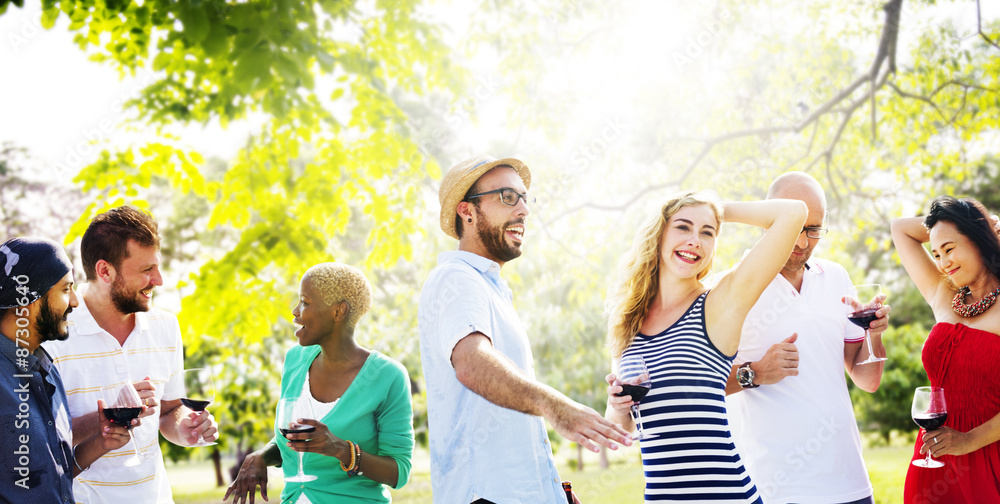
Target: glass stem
[
  {"x": 868, "y": 340},
  {"x": 301, "y": 471},
  {"x": 135, "y": 446},
  {"x": 637, "y": 417}
]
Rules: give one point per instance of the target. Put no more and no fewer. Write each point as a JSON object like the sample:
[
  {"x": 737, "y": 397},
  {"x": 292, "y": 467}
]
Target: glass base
[
  {"x": 930, "y": 464},
  {"x": 202, "y": 443},
  {"x": 300, "y": 478},
  {"x": 639, "y": 436},
  {"x": 870, "y": 360},
  {"x": 132, "y": 461}
]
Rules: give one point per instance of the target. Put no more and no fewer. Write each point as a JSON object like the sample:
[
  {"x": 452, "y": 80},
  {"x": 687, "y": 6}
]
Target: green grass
[{"x": 193, "y": 483}]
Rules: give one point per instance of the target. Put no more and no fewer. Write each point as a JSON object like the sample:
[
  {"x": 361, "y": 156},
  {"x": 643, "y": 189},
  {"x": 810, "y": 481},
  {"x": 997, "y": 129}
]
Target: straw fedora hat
[{"x": 459, "y": 179}]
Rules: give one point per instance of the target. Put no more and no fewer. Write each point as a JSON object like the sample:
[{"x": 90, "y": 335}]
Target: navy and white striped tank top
[{"x": 693, "y": 458}]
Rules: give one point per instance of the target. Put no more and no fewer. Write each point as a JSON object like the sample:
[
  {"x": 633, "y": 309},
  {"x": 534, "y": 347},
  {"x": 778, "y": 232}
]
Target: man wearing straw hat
[{"x": 488, "y": 439}]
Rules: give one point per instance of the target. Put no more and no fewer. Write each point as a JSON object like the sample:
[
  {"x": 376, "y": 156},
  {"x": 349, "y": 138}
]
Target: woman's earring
[{"x": 470, "y": 220}]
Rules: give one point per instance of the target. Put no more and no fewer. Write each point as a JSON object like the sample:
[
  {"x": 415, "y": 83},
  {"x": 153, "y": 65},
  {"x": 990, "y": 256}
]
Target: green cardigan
[{"x": 374, "y": 412}]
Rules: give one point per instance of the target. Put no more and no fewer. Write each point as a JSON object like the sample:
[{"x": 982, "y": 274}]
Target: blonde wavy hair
[{"x": 638, "y": 277}]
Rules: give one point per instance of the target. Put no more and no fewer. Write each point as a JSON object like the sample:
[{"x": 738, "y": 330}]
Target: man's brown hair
[{"x": 108, "y": 235}]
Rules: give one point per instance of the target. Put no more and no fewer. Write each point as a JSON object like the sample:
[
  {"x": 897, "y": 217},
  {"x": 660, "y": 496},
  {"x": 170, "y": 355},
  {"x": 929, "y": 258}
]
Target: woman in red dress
[{"x": 960, "y": 280}]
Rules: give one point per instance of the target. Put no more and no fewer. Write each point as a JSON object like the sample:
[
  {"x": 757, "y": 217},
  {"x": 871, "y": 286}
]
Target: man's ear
[
  {"x": 105, "y": 271},
  {"x": 464, "y": 210}
]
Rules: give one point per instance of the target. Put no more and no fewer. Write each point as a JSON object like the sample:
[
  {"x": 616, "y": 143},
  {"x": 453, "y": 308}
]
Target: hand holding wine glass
[
  {"x": 636, "y": 383},
  {"x": 199, "y": 392},
  {"x": 147, "y": 396},
  {"x": 124, "y": 407},
  {"x": 930, "y": 412},
  {"x": 113, "y": 436},
  {"x": 290, "y": 410},
  {"x": 862, "y": 303}
]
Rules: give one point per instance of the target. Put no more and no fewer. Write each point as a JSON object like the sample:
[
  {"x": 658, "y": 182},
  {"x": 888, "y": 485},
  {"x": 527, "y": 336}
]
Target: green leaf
[
  {"x": 195, "y": 21},
  {"x": 49, "y": 17},
  {"x": 216, "y": 43}
]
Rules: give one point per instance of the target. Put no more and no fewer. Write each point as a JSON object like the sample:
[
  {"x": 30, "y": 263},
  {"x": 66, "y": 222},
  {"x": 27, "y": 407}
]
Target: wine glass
[
  {"x": 929, "y": 412},
  {"x": 862, "y": 302},
  {"x": 636, "y": 382},
  {"x": 199, "y": 392},
  {"x": 122, "y": 406},
  {"x": 291, "y": 409}
]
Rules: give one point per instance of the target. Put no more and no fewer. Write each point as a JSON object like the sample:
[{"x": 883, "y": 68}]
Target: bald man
[{"x": 790, "y": 410}]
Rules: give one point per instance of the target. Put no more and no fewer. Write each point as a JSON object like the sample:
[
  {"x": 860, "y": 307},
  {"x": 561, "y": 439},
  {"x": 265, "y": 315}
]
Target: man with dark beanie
[{"x": 36, "y": 294}]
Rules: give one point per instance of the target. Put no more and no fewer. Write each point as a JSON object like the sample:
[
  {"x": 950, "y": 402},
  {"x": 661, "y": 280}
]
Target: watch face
[{"x": 744, "y": 376}]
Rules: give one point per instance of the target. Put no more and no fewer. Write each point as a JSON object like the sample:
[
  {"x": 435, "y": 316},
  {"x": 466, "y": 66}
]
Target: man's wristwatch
[{"x": 745, "y": 376}]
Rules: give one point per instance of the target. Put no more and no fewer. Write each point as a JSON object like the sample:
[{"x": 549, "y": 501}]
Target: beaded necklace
[{"x": 972, "y": 310}]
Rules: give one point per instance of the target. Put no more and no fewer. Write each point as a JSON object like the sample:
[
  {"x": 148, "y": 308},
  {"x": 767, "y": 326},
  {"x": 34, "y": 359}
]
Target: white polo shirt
[
  {"x": 91, "y": 358},
  {"x": 798, "y": 437}
]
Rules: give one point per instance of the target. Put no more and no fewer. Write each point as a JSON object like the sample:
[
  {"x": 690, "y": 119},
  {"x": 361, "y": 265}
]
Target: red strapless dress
[{"x": 965, "y": 362}]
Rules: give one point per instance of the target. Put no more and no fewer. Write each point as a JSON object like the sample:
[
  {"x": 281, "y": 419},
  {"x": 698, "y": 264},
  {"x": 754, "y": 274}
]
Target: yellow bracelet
[{"x": 350, "y": 446}]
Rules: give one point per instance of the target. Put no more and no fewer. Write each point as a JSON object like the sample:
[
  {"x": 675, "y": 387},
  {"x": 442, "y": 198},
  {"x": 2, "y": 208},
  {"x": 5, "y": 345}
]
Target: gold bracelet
[{"x": 350, "y": 446}]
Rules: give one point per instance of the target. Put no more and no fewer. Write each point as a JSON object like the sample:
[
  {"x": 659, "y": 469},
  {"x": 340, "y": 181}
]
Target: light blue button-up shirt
[{"x": 478, "y": 449}]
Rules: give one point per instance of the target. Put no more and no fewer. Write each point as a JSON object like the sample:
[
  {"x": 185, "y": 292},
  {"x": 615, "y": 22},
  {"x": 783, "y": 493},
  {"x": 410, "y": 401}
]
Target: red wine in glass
[
  {"x": 122, "y": 416},
  {"x": 930, "y": 421},
  {"x": 297, "y": 430},
  {"x": 199, "y": 392},
  {"x": 636, "y": 383},
  {"x": 930, "y": 412},
  {"x": 195, "y": 404},
  {"x": 122, "y": 405},
  {"x": 636, "y": 391},
  {"x": 862, "y": 301},
  {"x": 863, "y": 318},
  {"x": 290, "y": 410}
]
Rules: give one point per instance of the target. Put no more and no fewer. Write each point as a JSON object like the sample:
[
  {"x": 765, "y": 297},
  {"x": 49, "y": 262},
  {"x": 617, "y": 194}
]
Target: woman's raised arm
[
  {"x": 737, "y": 292},
  {"x": 909, "y": 236}
]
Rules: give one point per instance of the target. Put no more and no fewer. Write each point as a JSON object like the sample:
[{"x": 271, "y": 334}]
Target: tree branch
[
  {"x": 979, "y": 21},
  {"x": 924, "y": 99},
  {"x": 886, "y": 52}
]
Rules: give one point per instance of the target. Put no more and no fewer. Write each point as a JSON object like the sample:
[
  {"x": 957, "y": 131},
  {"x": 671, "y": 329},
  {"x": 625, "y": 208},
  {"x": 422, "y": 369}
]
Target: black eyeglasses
[
  {"x": 814, "y": 232},
  {"x": 508, "y": 196}
]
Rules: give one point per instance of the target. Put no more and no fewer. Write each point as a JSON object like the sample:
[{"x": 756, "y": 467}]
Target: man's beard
[
  {"x": 494, "y": 239},
  {"x": 51, "y": 327},
  {"x": 794, "y": 264},
  {"x": 124, "y": 301}
]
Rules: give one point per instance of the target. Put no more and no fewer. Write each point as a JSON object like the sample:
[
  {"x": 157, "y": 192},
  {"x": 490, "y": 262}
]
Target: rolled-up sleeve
[{"x": 462, "y": 309}]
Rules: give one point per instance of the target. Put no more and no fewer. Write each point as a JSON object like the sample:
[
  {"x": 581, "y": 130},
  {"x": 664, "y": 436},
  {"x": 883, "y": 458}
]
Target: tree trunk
[
  {"x": 217, "y": 461},
  {"x": 604, "y": 457},
  {"x": 579, "y": 457}
]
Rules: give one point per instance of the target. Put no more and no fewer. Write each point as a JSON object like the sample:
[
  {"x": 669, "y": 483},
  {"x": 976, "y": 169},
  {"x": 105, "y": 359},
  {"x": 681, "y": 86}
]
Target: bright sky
[{"x": 54, "y": 101}]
